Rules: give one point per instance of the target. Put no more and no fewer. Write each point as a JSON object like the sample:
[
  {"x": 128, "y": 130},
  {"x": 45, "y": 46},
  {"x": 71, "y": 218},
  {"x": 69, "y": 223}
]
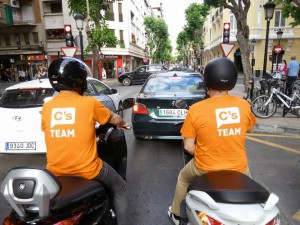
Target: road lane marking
[
  {"x": 274, "y": 145},
  {"x": 274, "y": 135},
  {"x": 296, "y": 216}
]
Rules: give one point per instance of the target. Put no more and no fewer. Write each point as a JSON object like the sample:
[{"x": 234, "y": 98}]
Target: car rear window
[
  {"x": 25, "y": 98},
  {"x": 167, "y": 84}
]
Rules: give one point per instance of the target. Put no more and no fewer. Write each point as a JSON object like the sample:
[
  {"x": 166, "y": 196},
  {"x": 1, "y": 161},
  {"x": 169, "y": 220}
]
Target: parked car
[
  {"x": 163, "y": 102},
  {"x": 182, "y": 68},
  {"x": 20, "y": 107},
  {"x": 140, "y": 74}
]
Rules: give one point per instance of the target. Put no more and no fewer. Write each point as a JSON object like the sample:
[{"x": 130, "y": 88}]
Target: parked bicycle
[{"x": 265, "y": 106}]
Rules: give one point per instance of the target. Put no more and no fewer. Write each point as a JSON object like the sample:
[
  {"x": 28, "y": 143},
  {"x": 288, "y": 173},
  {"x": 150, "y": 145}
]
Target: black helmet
[
  {"x": 68, "y": 73},
  {"x": 220, "y": 74}
]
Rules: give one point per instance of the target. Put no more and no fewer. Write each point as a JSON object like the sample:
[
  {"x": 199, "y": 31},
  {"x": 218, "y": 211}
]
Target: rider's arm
[
  {"x": 189, "y": 145},
  {"x": 115, "y": 119}
]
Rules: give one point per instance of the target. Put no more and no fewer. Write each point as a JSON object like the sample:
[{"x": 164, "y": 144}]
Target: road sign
[
  {"x": 278, "y": 49},
  {"x": 226, "y": 48},
  {"x": 69, "y": 51}
]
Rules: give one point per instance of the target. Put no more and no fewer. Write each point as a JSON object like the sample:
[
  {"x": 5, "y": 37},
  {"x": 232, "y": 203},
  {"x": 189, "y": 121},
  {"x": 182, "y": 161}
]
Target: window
[
  {"x": 233, "y": 25},
  {"x": 26, "y": 38},
  {"x": 35, "y": 38},
  {"x": 7, "y": 39},
  {"x": 56, "y": 7},
  {"x": 17, "y": 39},
  {"x": 55, "y": 34},
  {"x": 279, "y": 20},
  {"x": 109, "y": 14},
  {"x": 120, "y": 12}
]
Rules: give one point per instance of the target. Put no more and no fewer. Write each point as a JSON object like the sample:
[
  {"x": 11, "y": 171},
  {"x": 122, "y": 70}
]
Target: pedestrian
[
  {"x": 292, "y": 74},
  {"x": 214, "y": 131},
  {"x": 119, "y": 71}
]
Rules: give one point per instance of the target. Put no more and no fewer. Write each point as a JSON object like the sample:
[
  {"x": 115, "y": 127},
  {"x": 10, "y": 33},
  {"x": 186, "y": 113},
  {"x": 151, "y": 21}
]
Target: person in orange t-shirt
[
  {"x": 68, "y": 121},
  {"x": 214, "y": 130}
]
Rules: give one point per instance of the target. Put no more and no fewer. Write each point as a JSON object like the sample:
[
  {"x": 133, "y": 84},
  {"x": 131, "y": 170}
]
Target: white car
[{"x": 20, "y": 107}]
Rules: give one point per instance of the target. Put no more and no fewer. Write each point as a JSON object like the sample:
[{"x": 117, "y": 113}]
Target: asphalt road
[{"x": 153, "y": 167}]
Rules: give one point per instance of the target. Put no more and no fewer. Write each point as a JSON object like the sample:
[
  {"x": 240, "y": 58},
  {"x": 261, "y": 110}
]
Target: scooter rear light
[
  {"x": 275, "y": 221},
  {"x": 139, "y": 109},
  {"x": 70, "y": 221},
  {"x": 206, "y": 220}
]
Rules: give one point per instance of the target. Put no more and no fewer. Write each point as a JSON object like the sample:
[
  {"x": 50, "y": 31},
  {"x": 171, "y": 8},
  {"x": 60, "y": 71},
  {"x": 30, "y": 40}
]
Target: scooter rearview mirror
[{"x": 128, "y": 103}]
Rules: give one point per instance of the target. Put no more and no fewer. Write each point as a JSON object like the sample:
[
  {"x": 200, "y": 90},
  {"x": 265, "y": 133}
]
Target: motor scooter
[
  {"x": 227, "y": 197},
  {"x": 38, "y": 197}
]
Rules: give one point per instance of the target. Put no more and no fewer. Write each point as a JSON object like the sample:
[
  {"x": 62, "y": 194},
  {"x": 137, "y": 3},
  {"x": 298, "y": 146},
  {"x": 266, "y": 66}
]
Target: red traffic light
[
  {"x": 68, "y": 28},
  {"x": 226, "y": 26}
]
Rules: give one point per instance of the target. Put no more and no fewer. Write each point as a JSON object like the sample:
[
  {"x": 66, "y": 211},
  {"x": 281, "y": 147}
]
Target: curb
[{"x": 275, "y": 129}]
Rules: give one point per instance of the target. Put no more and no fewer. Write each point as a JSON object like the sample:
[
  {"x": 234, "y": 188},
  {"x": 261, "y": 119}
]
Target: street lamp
[
  {"x": 279, "y": 36},
  {"x": 79, "y": 18},
  {"x": 201, "y": 58},
  {"x": 269, "y": 11}
]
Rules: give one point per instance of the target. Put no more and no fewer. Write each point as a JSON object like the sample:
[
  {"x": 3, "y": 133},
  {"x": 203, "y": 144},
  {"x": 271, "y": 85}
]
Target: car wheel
[
  {"x": 126, "y": 82},
  {"x": 120, "y": 110}
]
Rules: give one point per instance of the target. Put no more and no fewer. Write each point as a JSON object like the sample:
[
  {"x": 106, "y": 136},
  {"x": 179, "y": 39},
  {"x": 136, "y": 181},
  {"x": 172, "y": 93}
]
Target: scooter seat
[
  {"x": 75, "y": 189},
  {"x": 230, "y": 187}
]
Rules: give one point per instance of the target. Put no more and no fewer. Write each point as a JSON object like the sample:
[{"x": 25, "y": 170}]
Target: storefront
[{"x": 108, "y": 66}]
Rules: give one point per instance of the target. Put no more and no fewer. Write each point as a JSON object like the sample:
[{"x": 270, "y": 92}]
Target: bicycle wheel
[
  {"x": 260, "y": 109},
  {"x": 296, "y": 87},
  {"x": 296, "y": 111}
]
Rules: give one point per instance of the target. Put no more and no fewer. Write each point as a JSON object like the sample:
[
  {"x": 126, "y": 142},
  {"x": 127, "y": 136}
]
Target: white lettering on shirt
[
  {"x": 228, "y": 116},
  {"x": 62, "y": 133},
  {"x": 229, "y": 132}
]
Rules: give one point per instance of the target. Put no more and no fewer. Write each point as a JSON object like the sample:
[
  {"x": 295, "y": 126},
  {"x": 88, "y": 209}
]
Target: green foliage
[
  {"x": 99, "y": 34},
  {"x": 159, "y": 45},
  {"x": 290, "y": 8}
]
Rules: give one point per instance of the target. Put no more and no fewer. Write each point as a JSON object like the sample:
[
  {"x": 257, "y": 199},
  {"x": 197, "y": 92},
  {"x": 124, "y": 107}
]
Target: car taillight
[
  {"x": 139, "y": 109},
  {"x": 206, "y": 220},
  {"x": 70, "y": 221}
]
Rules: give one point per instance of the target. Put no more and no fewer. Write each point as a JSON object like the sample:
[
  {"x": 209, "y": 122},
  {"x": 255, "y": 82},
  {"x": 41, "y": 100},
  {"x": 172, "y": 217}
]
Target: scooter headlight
[{"x": 206, "y": 220}]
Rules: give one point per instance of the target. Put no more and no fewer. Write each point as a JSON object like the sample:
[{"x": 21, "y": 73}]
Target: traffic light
[
  {"x": 226, "y": 32},
  {"x": 69, "y": 36}
]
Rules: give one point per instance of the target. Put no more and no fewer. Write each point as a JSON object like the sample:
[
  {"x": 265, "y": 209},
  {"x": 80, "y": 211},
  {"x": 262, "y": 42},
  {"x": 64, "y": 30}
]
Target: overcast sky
[{"x": 174, "y": 15}]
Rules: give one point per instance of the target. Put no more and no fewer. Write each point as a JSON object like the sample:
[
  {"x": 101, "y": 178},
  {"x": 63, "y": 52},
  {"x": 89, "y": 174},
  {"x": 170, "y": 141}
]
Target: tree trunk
[{"x": 95, "y": 62}]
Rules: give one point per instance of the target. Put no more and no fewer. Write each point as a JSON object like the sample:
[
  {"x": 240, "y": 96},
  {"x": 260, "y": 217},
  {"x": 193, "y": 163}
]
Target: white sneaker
[{"x": 173, "y": 217}]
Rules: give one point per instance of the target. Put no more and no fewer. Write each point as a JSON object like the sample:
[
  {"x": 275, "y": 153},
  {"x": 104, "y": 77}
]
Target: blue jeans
[{"x": 114, "y": 182}]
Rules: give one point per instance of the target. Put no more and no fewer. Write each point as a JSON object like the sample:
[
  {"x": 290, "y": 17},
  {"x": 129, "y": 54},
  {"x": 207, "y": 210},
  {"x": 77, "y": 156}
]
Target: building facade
[
  {"x": 22, "y": 45},
  {"x": 32, "y": 35},
  {"x": 290, "y": 41}
]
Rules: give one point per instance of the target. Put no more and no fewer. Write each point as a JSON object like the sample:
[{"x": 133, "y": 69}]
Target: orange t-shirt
[
  {"x": 68, "y": 121},
  {"x": 219, "y": 126}
]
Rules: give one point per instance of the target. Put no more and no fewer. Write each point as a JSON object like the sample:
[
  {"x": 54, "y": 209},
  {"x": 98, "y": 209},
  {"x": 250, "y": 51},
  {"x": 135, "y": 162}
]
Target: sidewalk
[{"x": 277, "y": 124}]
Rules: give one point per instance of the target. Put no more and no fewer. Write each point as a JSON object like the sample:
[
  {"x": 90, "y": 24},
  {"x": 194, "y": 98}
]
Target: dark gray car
[{"x": 140, "y": 74}]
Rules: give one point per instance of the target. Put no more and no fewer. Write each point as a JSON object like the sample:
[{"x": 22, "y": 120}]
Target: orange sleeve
[{"x": 101, "y": 113}]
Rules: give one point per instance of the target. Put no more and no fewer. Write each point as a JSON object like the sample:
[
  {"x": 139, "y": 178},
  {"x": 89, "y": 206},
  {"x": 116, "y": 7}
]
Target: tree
[
  {"x": 290, "y": 8},
  {"x": 240, "y": 10},
  {"x": 159, "y": 45},
  {"x": 195, "y": 16},
  {"x": 98, "y": 34}
]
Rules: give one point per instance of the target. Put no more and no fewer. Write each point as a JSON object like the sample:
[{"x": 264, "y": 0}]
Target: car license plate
[
  {"x": 20, "y": 146},
  {"x": 173, "y": 112}
]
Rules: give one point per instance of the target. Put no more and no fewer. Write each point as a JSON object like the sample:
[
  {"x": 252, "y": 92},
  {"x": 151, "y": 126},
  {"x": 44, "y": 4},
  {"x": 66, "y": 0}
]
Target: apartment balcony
[
  {"x": 53, "y": 21},
  {"x": 24, "y": 20}
]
